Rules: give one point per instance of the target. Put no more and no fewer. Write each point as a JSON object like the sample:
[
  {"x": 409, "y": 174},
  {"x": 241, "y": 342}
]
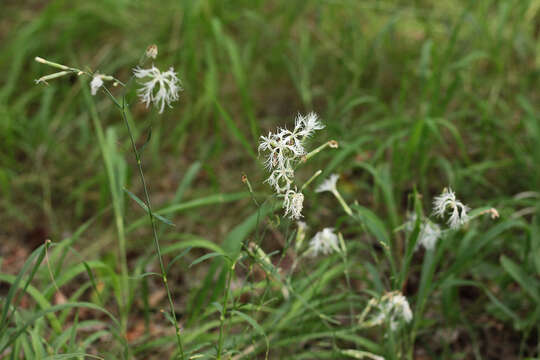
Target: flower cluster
[
  {"x": 447, "y": 200},
  {"x": 393, "y": 308},
  {"x": 285, "y": 149},
  {"x": 160, "y": 88}
]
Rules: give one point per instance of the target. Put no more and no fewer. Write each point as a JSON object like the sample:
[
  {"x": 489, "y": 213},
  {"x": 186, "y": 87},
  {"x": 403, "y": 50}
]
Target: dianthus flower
[{"x": 160, "y": 88}]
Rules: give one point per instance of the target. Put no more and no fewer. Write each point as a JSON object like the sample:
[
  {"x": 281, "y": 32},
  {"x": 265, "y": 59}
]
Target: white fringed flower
[
  {"x": 160, "y": 88},
  {"x": 305, "y": 126},
  {"x": 96, "y": 83},
  {"x": 324, "y": 242},
  {"x": 446, "y": 200},
  {"x": 393, "y": 308},
  {"x": 293, "y": 203},
  {"x": 283, "y": 147},
  {"x": 328, "y": 184},
  {"x": 401, "y": 307},
  {"x": 281, "y": 179}
]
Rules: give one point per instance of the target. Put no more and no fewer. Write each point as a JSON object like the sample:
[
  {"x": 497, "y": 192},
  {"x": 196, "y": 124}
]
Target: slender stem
[
  {"x": 245, "y": 180},
  {"x": 332, "y": 143},
  {"x": 310, "y": 180},
  {"x": 224, "y": 312},
  {"x": 343, "y": 203},
  {"x": 154, "y": 227}
]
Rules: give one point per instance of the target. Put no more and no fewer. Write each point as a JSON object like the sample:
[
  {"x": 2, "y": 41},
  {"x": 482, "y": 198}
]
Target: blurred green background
[{"x": 428, "y": 93}]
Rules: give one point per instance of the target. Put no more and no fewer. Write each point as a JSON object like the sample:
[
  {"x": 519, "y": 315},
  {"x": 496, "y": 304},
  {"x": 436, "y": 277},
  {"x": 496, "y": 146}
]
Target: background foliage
[{"x": 420, "y": 95}]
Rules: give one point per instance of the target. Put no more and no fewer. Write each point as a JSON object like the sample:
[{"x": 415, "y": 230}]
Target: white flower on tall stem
[
  {"x": 293, "y": 203},
  {"x": 324, "y": 242},
  {"x": 160, "y": 88},
  {"x": 447, "y": 200}
]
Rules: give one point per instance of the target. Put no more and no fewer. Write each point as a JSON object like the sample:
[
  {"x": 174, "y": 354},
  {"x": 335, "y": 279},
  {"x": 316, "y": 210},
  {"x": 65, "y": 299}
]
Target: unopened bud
[{"x": 152, "y": 51}]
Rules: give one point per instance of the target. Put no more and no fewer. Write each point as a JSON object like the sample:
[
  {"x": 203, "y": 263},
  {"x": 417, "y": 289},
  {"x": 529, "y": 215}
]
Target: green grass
[{"x": 420, "y": 95}]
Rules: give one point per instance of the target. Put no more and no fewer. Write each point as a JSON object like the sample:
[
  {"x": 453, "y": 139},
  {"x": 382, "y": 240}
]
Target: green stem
[
  {"x": 152, "y": 222},
  {"x": 332, "y": 143},
  {"x": 310, "y": 180},
  {"x": 342, "y": 202}
]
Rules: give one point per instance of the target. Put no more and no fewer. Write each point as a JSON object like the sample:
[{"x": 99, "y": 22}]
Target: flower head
[
  {"x": 447, "y": 200},
  {"x": 281, "y": 179},
  {"x": 393, "y": 307},
  {"x": 328, "y": 184},
  {"x": 160, "y": 88},
  {"x": 95, "y": 84},
  {"x": 293, "y": 203},
  {"x": 324, "y": 242},
  {"x": 305, "y": 126},
  {"x": 283, "y": 147}
]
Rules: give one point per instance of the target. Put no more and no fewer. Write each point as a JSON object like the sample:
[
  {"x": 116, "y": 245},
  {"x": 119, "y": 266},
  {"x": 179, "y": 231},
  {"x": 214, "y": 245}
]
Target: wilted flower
[
  {"x": 293, "y": 203},
  {"x": 328, "y": 184},
  {"x": 324, "y": 242},
  {"x": 492, "y": 211},
  {"x": 393, "y": 307},
  {"x": 447, "y": 200},
  {"x": 300, "y": 234},
  {"x": 161, "y": 87},
  {"x": 95, "y": 84},
  {"x": 428, "y": 235}
]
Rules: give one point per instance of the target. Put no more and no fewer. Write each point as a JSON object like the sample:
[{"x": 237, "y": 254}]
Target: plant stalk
[{"x": 154, "y": 228}]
